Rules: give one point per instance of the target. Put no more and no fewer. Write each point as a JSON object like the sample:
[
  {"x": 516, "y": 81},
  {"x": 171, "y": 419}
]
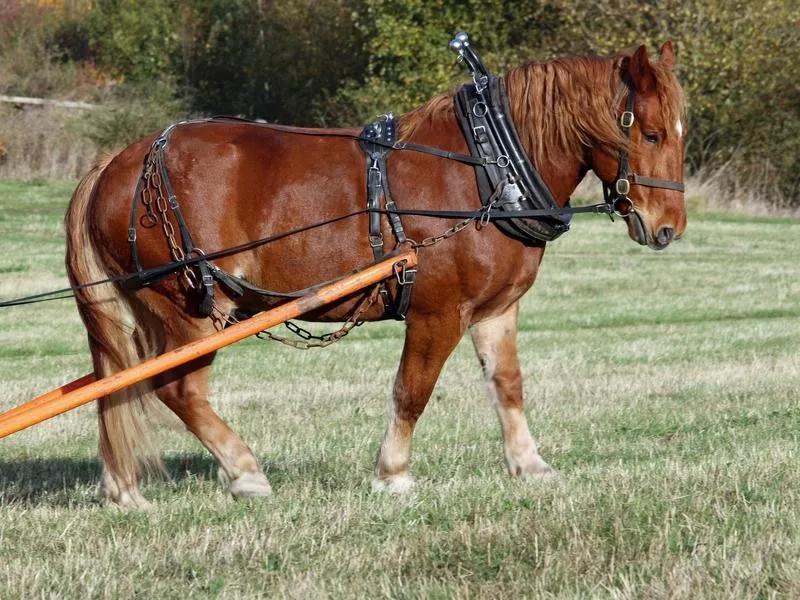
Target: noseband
[{"x": 617, "y": 195}]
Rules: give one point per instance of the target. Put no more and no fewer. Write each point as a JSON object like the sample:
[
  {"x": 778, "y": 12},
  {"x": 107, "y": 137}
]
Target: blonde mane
[{"x": 562, "y": 106}]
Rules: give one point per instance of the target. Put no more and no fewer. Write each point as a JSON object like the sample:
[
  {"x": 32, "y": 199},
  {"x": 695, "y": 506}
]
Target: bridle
[{"x": 617, "y": 195}]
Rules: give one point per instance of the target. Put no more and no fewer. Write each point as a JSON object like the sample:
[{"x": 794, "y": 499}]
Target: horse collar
[
  {"x": 485, "y": 118},
  {"x": 507, "y": 178}
]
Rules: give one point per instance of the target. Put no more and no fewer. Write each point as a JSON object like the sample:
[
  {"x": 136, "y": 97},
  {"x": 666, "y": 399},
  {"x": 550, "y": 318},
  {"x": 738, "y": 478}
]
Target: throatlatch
[{"x": 485, "y": 118}]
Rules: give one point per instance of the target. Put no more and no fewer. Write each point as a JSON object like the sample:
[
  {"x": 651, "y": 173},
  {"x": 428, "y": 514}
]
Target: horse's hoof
[
  {"x": 534, "y": 468},
  {"x": 127, "y": 501},
  {"x": 399, "y": 484},
  {"x": 250, "y": 485}
]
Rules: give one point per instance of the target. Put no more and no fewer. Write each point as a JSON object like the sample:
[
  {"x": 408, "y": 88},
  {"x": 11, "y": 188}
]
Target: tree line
[{"x": 341, "y": 62}]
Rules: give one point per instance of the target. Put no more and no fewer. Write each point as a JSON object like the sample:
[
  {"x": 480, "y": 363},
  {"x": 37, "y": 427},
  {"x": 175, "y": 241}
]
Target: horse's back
[{"x": 239, "y": 182}]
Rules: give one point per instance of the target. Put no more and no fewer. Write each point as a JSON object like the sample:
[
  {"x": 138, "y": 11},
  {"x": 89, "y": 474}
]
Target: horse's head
[{"x": 643, "y": 176}]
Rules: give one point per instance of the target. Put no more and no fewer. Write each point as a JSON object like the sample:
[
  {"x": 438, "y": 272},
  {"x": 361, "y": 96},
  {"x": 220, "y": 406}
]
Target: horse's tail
[{"x": 115, "y": 341}]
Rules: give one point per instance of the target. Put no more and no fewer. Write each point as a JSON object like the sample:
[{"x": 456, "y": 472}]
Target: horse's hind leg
[
  {"x": 185, "y": 392},
  {"x": 495, "y": 343},
  {"x": 428, "y": 344}
]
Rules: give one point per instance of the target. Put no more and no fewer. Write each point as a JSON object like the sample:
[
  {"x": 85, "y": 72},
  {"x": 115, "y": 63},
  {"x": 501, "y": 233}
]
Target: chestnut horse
[{"x": 238, "y": 181}]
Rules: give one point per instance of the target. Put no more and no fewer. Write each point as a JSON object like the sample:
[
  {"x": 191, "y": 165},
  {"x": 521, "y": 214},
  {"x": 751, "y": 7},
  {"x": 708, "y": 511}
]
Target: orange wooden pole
[
  {"x": 67, "y": 397},
  {"x": 48, "y": 397}
]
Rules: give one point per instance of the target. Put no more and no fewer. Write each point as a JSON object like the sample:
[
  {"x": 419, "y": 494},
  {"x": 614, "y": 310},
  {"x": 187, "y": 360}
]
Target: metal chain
[
  {"x": 309, "y": 339},
  {"x": 435, "y": 239},
  {"x": 483, "y": 220},
  {"x": 154, "y": 187}
]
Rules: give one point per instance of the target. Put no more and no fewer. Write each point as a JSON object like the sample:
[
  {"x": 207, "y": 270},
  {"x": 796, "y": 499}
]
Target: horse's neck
[{"x": 562, "y": 175}]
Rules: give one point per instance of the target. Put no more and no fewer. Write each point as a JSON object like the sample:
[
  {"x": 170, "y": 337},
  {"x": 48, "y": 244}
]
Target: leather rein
[{"x": 512, "y": 192}]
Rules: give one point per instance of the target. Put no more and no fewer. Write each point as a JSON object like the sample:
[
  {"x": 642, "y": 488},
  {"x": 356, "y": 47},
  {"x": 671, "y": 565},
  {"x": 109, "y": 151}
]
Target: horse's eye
[{"x": 651, "y": 138}]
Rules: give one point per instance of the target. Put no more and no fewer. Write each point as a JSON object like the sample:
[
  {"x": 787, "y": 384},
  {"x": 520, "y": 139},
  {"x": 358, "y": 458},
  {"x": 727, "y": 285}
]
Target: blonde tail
[{"x": 116, "y": 343}]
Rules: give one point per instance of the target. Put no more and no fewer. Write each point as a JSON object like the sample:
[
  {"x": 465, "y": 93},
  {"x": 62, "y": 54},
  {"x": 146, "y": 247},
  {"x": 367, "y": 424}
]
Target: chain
[
  {"x": 309, "y": 340},
  {"x": 483, "y": 220},
  {"x": 154, "y": 188},
  {"x": 149, "y": 219},
  {"x": 435, "y": 239}
]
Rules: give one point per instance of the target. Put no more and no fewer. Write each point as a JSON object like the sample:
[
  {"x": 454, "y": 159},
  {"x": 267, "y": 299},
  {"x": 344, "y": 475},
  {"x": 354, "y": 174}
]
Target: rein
[{"x": 617, "y": 201}]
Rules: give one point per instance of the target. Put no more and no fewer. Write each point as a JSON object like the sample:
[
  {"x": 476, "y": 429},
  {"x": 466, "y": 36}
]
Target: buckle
[
  {"x": 623, "y": 187},
  {"x": 626, "y": 119},
  {"x": 479, "y": 133},
  {"x": 376, "y": 241},
  {"x": 132, "y": 234},
  {"x": 404, "y": 276},
  {"x": 375, "y": 177}
]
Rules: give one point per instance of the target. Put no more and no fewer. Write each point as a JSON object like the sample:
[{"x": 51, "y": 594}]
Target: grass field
[{"x": 662, "y": 386}]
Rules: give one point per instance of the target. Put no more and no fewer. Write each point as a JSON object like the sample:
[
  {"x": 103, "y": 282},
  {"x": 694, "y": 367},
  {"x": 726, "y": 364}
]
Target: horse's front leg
[
  {"x": 495, "y": 343},
  {"x": 429, "y": 341}
]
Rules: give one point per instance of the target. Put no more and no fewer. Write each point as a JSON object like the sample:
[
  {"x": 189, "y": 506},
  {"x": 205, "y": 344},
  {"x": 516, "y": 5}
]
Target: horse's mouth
[
  {"x": 636, "y": 228},
  {"x": 638, "y": 232}
]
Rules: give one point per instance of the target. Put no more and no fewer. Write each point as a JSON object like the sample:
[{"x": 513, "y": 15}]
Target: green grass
[{"x": 663, "y": 386}]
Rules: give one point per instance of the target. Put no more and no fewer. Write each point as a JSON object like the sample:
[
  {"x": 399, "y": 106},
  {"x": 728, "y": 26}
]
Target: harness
[
  {"x": 617, "y": 195},
  {"x": 377, "y": 140},
  {"x": 513, "y": 194},
  {"x": 509, "y": 181}
]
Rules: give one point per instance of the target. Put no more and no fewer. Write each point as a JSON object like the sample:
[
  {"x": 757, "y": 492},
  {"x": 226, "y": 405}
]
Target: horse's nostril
[{"x": 665, "y": 235}]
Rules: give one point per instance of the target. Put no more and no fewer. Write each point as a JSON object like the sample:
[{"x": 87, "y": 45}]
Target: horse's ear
[
  {"x": 666, "y": 56},
  {"x": 640, "y": 71}
]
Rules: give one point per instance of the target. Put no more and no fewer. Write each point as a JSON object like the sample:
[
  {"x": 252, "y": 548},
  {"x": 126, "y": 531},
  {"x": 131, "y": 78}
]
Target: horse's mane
[{"x": 562, "y": 106}]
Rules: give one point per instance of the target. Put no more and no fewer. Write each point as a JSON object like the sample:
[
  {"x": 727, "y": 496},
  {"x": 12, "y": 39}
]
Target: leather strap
[
  {"x": 666, "y": 184},
  {"x": 377, "y": 140}
]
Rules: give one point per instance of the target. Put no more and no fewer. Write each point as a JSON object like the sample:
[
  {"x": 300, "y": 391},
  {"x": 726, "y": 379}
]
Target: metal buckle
[
  {"x": 479, "y": 132},
  {"x": 132, "y": 234},
  {"x": 375, "y": 177},
  {"x": 626, "y": 120},
  {"x": 376, "y": 241},
  {"x": 623, "y": 187},
  {"x": 404, "y": 276}
]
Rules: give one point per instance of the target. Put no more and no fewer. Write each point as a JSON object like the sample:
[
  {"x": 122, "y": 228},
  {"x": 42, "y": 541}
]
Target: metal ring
[
  {"x": 482, "y": 112},
  {"x": 619, "y": 212},
  {"x": 148, "y": 221},
  {"x": 502, "y": 161}
]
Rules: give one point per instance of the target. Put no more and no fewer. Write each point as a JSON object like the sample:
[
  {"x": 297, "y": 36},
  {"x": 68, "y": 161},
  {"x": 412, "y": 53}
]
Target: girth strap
[{"x": 377, "y": 140}]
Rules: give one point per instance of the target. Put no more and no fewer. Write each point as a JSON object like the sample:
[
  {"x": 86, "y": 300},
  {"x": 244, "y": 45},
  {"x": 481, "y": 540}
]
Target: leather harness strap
[
  {"x": 155, "y": 180},
  {"x": 377, "y": 140}
]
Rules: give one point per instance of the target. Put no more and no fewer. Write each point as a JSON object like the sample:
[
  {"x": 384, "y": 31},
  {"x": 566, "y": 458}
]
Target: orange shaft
[
  {"x": 61, "y": 400},
  {"x": 48, "y": 397}
]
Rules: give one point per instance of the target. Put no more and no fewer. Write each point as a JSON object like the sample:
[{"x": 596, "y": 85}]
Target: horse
[{"x": 240, "y": 181}]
